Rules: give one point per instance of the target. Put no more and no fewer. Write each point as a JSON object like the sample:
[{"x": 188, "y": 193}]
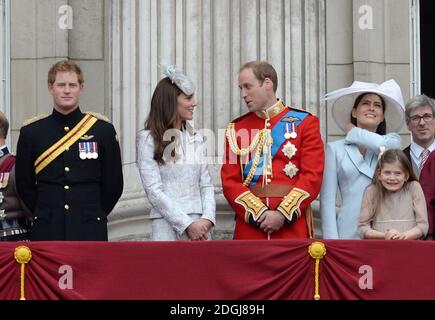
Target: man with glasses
[{"x": 419, "y": 113}]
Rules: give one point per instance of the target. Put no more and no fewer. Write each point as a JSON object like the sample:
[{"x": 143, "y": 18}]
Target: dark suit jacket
[
  {"x": 407, "y": 151},
  {"x": 427, "y": 180},
  {"x": 415, "y": 168}
]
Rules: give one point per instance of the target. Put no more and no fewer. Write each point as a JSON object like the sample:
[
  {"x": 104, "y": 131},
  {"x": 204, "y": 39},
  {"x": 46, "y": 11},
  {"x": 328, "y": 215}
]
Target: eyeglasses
[{"x": 427, "y": 117}]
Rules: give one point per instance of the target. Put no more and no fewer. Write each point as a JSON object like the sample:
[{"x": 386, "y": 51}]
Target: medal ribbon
[
  {"x": 64, "y": 143},
  {"x": 277, "y": 134}
]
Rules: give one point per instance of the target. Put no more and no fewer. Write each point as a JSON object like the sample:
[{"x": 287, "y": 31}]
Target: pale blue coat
[{"x": 348, "y": 172}]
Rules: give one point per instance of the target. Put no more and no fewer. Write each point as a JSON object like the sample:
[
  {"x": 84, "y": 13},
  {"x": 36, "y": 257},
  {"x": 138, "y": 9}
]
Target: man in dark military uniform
[{"x": 68, "y": 168}]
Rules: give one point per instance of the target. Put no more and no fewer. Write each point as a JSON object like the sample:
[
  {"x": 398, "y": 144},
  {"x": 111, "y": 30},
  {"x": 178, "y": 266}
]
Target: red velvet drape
[{"x": 215, "y": 270}]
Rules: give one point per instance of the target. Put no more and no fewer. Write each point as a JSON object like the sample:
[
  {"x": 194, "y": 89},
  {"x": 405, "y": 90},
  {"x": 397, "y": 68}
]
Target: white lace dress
[{"x": 180, "y": 191}]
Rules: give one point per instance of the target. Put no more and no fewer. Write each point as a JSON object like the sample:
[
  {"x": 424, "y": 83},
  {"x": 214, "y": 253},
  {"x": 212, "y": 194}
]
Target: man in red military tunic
[{"x": 273, "y": 164}]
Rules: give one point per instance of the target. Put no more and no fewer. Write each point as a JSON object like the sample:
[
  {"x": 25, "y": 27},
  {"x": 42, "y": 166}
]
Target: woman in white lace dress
[{"x": 173, "y": 166}]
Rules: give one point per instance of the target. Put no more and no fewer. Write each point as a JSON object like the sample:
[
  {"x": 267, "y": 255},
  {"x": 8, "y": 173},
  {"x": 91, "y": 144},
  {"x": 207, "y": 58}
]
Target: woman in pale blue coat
[{"x": 365, "y": 112}]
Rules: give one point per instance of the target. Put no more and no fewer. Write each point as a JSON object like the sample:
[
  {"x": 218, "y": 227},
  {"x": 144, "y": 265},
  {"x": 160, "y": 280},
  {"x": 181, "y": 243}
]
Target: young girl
[{"x": 393, "y": 206}]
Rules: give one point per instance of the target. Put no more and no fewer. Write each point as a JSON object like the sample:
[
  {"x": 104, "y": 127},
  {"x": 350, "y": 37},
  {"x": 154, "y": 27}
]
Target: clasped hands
[
  {"x": 198, "y": 229},
  {"x": 393, "y": 234},
  {"x": 271, "y": 221}
]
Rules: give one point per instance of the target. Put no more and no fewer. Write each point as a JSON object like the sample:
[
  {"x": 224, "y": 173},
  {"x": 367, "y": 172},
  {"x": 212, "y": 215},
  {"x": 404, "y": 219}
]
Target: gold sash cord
[
  {"x": 317, "y": 250},
  {"x": 65, "y": 143},
  {"x": 22, "y": 255}
]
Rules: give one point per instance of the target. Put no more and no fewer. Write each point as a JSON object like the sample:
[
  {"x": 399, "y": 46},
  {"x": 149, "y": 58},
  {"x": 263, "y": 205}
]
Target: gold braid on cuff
[
  {"x": 252, "y": 204},
  {"x": 291, "y": 202}
]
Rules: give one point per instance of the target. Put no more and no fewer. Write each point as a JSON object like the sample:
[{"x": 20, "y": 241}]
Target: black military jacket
[{"x": 71, "y": 197}]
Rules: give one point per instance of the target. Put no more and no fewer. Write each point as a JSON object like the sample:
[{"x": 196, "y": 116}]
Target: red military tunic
[{"x": 303, "y": 187}]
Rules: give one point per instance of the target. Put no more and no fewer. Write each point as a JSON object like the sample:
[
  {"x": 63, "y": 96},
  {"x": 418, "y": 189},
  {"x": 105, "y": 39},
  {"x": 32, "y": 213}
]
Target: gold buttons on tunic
[
  {"x": 66, "y": 207},
  {"x": 66, "y": 187},
  {"x": 66, "y": 129},
  {"x": 67, "y": 169}
]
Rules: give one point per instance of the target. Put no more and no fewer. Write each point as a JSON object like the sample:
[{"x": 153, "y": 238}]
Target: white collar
[{"x": 417, "y": 149}]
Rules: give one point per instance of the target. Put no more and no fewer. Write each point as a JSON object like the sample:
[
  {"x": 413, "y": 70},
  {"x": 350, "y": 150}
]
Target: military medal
[
  {"x": 94, "y": 150},
  {"x": 88, "y": 150},
  {"x": 82, "y": 150},
  {"x": 293, "y": 134},
  {"x": 287, "y": 134}
]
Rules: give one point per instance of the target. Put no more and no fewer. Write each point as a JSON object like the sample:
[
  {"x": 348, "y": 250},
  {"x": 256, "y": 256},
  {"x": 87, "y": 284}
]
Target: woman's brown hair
[{"x": 163, "y": 115}]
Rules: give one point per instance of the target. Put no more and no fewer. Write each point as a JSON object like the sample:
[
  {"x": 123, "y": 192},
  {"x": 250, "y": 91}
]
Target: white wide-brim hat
[{"x": 343, "y": 100}]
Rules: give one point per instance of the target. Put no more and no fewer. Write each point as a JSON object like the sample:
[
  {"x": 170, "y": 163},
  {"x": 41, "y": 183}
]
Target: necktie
[{"x": 424, "y": 155}]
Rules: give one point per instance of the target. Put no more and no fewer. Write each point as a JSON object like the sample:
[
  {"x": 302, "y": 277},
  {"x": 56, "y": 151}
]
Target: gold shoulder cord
[
  {"x": 232, "y": 141},
  {"x": 241, "y": 152},
  {"x": 255, "y": 162}
]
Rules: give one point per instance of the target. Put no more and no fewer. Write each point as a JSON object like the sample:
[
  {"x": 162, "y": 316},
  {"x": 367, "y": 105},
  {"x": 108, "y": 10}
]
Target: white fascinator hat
[
  {"x": 343, "y": 101},
  {"x": 178, "y": 78}
]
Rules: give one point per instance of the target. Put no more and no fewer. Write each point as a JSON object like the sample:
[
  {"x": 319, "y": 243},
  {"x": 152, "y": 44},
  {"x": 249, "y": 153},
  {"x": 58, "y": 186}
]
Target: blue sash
[{"x": 277, "y": 133}]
